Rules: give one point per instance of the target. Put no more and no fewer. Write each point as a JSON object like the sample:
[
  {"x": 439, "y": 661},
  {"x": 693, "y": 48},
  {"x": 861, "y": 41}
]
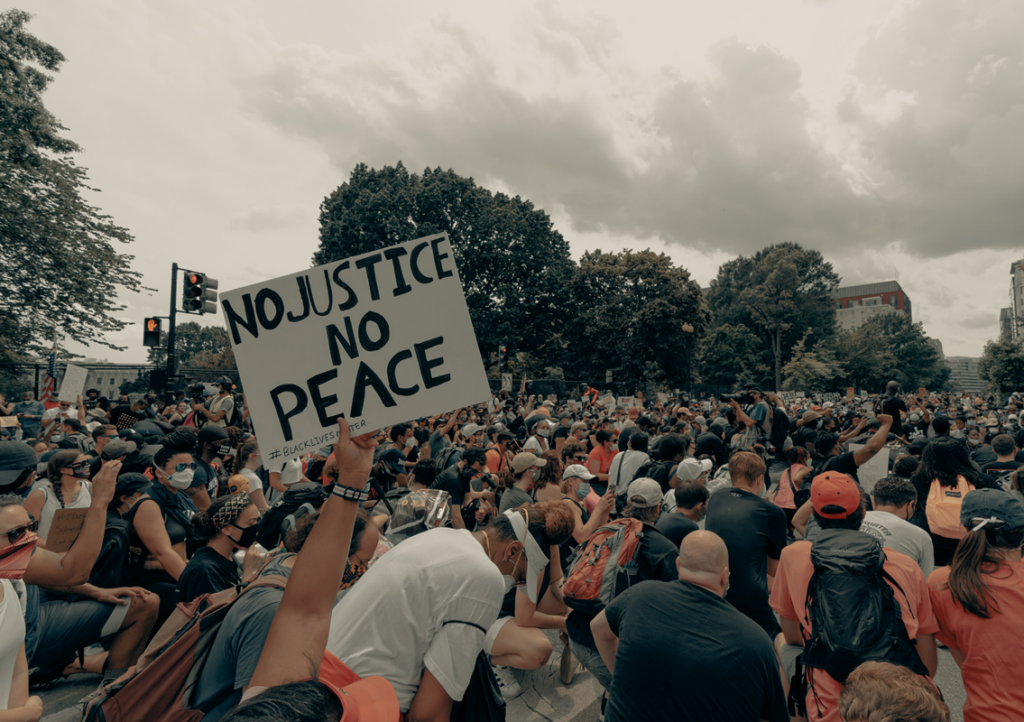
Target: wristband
[{"x": 349, "y": 494}]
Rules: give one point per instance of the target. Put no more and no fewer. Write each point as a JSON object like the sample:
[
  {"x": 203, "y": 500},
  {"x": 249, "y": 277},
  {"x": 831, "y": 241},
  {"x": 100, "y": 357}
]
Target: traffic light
[
  {"x": 151, "y": 332},
  {"x": 502, "y": 358},
  {"x": 200, "y": 295}
]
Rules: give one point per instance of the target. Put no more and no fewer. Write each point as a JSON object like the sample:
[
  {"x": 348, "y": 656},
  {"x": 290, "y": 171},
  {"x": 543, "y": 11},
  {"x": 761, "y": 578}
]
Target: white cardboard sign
[
  {"x": 876, "y": 469},
  {"x": 381, "y": 338},
  {"x": 73, "y": 383}
]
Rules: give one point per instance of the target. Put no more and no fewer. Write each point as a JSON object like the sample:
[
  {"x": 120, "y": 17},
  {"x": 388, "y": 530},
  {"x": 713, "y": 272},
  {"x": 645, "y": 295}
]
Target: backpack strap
[{"x": 458, "y": 621}]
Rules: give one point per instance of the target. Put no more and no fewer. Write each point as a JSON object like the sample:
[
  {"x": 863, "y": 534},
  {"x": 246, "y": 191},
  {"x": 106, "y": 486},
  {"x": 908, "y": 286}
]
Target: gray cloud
[
  {"x": 257, "y": 220},
  {"x": 723, "y": 163}
]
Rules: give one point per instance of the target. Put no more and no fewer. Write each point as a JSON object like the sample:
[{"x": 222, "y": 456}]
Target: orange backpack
[
  {"x": 604, "y": 567},
  {"x": 943, "y": 508}
]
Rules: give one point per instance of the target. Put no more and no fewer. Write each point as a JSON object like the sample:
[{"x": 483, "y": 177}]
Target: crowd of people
[{"x": 704, "y": 559}]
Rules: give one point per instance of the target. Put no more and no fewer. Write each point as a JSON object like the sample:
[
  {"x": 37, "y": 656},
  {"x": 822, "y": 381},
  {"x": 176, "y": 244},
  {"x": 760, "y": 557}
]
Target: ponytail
[{"x": 975, "y": 556}]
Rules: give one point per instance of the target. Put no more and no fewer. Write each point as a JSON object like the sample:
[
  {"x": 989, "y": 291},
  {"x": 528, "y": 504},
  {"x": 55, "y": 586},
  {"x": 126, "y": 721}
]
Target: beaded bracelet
[{"x": 350, "y": 494}]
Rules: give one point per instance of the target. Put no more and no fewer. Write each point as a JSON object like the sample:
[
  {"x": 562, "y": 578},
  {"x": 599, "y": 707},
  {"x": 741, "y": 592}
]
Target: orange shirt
[
  {"x": 789, "y": 596},
  {"x": 495, "y": 462},
  {"x": 991, "y": 670},
  {"x": 604, "y": 457}
]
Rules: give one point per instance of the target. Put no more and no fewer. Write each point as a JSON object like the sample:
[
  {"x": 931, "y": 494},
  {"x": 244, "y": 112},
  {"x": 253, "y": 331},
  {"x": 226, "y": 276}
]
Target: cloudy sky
[{"x": 886, "y": 134}]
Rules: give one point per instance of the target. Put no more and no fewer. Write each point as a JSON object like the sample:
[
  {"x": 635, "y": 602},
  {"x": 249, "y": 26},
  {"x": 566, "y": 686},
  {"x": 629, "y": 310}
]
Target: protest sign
[
  {"x": 849, "y": 393},
  {"x": 64, "y": 529},
  {"x": 877, "y": 468},
  {"x": 73, "y": 384},
  {"x": 8, "y": 421},
  {"x": 506, "y": 382},
  {"x": 662, "y": 398},
  {"x": 922, "y": 392},
  {"x": 625, "y": 401},
  {"x": 608, "y": 400},
  {"x": 381, "y": 338}
]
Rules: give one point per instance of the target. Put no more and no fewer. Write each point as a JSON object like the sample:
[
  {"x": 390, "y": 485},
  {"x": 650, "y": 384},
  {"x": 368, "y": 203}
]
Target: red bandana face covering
[{"x": 14, "y": 559}]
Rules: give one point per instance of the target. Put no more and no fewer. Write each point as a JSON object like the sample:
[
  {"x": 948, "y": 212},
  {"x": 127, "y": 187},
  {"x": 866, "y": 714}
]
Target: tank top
[
  {"x": 140, "y": 559},
  {"x": 81, "y": 500},
  {"x": 784, "y": 499}
]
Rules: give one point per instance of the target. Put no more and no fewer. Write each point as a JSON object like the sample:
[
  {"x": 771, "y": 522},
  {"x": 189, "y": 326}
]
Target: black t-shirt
[
  {"x": 450, "y": 480},
  {"x": 560, "y": 432},
  {"x": 718, "y": 665},
  {"x": 843, "y": 464},
  {"x": 893, "y": 406},
  {"x": 999, "y": 470},
  {"x": 657, "y": 561},
  {"x": 916, "y": 431},
  {"x": 708, "y": 443},
  {"x": 753, "y": 529},
  {"x": 675, "y": 526},
  {"x": 805, "y": 435},
  {"x": 206, "y": 572}
]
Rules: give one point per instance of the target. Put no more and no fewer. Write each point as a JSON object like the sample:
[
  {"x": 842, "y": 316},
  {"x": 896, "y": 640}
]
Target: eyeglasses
[{"x": 14, "y": 535}]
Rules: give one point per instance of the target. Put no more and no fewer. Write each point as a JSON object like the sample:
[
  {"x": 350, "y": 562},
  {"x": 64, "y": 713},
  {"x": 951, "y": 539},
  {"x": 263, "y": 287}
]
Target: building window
[{"x": 111, "y": 382}]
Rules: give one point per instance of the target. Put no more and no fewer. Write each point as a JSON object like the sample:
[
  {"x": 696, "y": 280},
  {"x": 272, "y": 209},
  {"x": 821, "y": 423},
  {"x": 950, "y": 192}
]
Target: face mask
[
  {"x": 224, "y": 450},
  {"x": 351, "y": 576},
  {"x": 248, "y": 536},
  {"x": 81, "y": 472},
  {"x": 583, "y": 490},
  {"x": 180, "y": 479},
  {"x": 544, "y": 432},
  {"x": 14, "y": 559},
  {"x": 973, "y": 442},
  {"x": 509, "y": 582}
]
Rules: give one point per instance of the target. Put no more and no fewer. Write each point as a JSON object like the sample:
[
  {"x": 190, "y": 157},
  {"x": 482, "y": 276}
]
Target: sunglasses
[
  {"x": 581, "y": 457},
  {"x": 14, "y": 535},
  {"x": 178, "y": 468}
]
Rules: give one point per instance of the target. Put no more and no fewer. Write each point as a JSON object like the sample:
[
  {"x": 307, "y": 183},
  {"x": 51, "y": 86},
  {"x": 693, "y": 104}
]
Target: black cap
[
  {"x": 15, "y": 458},
  {"x": 211, "y": 433},
  {"x": 995, "y": 506},
  {"x": 131, "y": 483}
]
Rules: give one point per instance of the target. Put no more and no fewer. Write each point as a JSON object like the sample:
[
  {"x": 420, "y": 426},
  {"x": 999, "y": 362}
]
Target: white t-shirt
[
  {"x": 12, "y": 636},
  {"x": 901, "y": 535},
  {"x": 81, "y": 500},
  {"x": 623, "y": 467},
  {"x": 254, "y": 480},
  {"x": 408, "y": 611},
  {"x": 534, "y": 445}
]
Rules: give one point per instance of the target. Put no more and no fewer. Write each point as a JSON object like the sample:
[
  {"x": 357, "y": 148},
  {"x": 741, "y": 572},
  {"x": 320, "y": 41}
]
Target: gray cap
[
  {"x": 117, "y": 449},
  {"x": 982, "y": 507},
  {"x": 15, "y": 458},
  {"x": 646, "y": 489}
]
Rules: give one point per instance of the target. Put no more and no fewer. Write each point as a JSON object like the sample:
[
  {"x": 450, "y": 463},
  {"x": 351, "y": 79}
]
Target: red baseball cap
[{"x": 835, "y": 489}]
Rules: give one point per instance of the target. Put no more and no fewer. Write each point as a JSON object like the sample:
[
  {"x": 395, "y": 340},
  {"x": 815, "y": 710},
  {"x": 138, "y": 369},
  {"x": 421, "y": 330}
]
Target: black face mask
[{"x": 248, "y": 536}]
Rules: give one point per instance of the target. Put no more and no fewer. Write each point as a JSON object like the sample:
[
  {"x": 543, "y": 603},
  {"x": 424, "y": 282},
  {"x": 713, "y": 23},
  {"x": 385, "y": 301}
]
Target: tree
[
  {"x": 62, "y": 269},
  {"x": 630, "y": 318},
  {"x": 892, "y": 347},
  {"x": 198, "y": 347},
  {"x": 783, "y": 293},
  {"x": 729, "y": 354},
  {"x": 1002, "y": 365},
  {"x": 813, "y": 370},
  {"x": 515, "y": 268},
  {"x": 139, "y": 385}
]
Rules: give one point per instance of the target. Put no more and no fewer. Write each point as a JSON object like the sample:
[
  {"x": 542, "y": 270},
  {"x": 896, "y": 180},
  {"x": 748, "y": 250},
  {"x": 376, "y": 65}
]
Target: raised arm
[
  {"x": 875, "y": 443},
  {"x": 298, "y": 636}
]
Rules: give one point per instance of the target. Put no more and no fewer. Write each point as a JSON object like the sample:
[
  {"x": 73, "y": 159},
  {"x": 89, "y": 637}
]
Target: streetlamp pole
[{"x": 688, "y": 330}]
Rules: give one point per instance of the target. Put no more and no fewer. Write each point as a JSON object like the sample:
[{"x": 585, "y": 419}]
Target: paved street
[{"x": 544, "y": 698}]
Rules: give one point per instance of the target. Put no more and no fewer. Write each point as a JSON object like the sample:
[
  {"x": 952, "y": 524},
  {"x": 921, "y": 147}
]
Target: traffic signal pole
[{"x": 171, "y": 365}]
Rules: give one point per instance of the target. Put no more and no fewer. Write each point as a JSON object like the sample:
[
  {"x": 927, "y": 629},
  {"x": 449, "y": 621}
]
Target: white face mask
[
  {"x": 544, "y": 432},
  {"x": 180, "y": 479},
  {"x": 509, "y": 582}
]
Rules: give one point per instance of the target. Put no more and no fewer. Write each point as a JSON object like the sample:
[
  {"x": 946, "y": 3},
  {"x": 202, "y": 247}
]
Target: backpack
[
  {"x": 780, "y": 429},
  {"x": 111, "y": 567},
  {"x": 448, "y": 456},
  {"x": 605, "y": 567},
  {"x": 161, "y": 685},
  {"x": 854, "y": 614},
  {"x": 660, "y": 471},
  {"x": 943, "y": 508},
  {"x": 418, "y": 512}
]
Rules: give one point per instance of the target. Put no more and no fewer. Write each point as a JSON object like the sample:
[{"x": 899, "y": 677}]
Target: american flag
[
  {"x": 522, "y": 386},
  {"x": 50, "y": 384}
]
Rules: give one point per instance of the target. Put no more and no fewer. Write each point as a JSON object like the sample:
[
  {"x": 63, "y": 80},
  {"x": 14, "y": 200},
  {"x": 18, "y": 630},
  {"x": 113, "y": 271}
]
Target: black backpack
[
  {"x": 448, "y": 456},
  {"x": 854, "y": 615},
  {"x": 780, "y": 429},
  {"x": 660, "y": 471}
]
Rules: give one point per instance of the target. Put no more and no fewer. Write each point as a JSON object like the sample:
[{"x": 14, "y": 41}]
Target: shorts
[
  {"x": 492, "y": 633},
  {"x": 66, "y": 627}
]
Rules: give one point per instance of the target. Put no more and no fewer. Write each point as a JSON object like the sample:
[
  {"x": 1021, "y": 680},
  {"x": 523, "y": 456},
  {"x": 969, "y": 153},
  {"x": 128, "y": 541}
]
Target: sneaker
[
  {"x": 566, "y": 667},
  {"x": 510, "y": 688}
]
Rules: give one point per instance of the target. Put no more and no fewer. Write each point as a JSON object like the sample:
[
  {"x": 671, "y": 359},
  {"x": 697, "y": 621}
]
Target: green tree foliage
[
  {"x": 892, "y": 347},
  {"x": 1002, "y": 365},
  {"x": 783, "y": 293},
  {"x": 732, "y": 353},
  {"x": 630, "y": 316},
  {"x": 812, "y": 370},
  {"x": 138, "y": 385},
  {"x": 198, "y": 346},
  {"x": 62, "y": 268},
  {"x": 514, "y": 266}
]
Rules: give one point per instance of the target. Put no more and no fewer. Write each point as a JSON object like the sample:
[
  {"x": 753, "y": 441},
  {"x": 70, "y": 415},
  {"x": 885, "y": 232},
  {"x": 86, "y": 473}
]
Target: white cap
[
  {"x": 690, "y": 469},
  {"x": 828, "y": 405},
  {"x": 577, "y": 470}
]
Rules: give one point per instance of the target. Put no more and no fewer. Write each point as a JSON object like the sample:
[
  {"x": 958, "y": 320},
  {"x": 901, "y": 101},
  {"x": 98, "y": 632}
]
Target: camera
[
  {"x": 743, "y": 398},
  {"x": 195, "y": 390}
]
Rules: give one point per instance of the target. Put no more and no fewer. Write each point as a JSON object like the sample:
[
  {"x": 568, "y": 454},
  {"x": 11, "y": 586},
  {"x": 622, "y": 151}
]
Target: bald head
[{"x": 703, "y": 551}]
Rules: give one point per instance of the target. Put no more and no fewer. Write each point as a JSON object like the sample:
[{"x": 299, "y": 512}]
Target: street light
[{"x": 688, "y": 330}]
